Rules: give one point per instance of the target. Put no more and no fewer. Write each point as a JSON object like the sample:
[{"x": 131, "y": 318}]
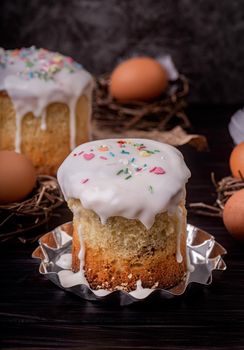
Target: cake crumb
[{"x": 155, "y": 285}]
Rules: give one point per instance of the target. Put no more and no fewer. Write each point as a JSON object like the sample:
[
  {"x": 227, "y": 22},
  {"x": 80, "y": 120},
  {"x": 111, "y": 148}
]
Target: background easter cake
[{"x": 45, "y": 105}]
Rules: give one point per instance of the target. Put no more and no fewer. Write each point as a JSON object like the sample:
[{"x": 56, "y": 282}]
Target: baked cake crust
[
  {"x": 107, "y": 268},
  {"x": 45, "y": 148}
]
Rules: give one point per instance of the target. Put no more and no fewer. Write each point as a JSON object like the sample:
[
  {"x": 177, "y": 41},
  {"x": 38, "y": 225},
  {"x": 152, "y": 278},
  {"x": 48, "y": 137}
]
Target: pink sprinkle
[
  {"x": 141, "y": 147},
  {"x": 81, "y": 152},
  {"x": 84, "y": 181},
  {"x": 88, "y": 156},
  {"x": 152, "y": 170},
  {"x": 104, "y": 158},
  {"x": 138, "y": 169},
  {"x": 157, "y": 170}
]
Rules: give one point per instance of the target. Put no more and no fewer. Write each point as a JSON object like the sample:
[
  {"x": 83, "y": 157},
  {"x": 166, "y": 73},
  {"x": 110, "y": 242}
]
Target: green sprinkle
[
  {"x": 126, "y": 171},
  {"x": 156, "y": 150},
  {"x": 132, "y": 160},
  {"x": 128, "y": 177},
  {"x": 124, "y": 152},
  {"x": 112, "y": 154},
  {"x": 150, "y": 189},
  {"x": 145, "y": 165},
  {"x": 29, "y": 64},
  {"x": 120, "y": 172}
]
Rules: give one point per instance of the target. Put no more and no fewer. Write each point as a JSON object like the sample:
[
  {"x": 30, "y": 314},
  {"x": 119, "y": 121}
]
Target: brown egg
[
  {"x": 138, "y": 79},
  {"x": 237, "y": 161},
  {"x": 233, "y": 215},
  {"x": 17, "y": 177}
]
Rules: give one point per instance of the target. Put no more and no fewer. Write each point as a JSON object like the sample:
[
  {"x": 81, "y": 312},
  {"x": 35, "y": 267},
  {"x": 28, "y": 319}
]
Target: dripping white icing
[
  {"x": 65, "y": 261},
  {"x": 179, "y": 258},
  {"x": 35, "y": 78},
  {"x": 135, "y": 179}
]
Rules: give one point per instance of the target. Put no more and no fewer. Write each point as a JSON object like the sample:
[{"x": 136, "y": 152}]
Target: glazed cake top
[
  {"x": 132, "y": 178},
  {"x": 34, "y": 78}
]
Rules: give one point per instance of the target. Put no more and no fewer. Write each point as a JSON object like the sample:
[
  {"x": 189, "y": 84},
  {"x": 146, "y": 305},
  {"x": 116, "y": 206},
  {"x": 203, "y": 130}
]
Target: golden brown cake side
[
  {"x": 122, "y": 251},
  {"x": 45, "y": 148}
]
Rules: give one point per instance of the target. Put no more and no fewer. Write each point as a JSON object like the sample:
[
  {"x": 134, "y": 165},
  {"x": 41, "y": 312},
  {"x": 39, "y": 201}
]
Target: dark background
[{"x": 204, "y": 37}]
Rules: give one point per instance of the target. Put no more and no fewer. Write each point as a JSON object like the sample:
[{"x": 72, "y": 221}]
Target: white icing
[
  {"x": 140, "y": 292},
  {"x": 190, "y": 267},
  {"x": 65, "y": 261},
  {"x": 106, "y": 179},
  {"x": 179, "y": 257},
  {"x": 35, "y": 78}
]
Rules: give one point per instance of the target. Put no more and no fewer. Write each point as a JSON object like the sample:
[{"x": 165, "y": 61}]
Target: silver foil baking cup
[{"x": 204, "y": 256}]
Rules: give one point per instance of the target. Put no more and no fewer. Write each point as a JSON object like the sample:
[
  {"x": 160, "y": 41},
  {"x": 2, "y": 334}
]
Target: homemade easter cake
[
  {"x": 128, "y": 201},
  {"x": 45, "y": 105}
]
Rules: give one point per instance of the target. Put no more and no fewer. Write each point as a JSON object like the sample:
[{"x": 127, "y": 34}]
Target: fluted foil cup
[{"x": 204, "y": 254}]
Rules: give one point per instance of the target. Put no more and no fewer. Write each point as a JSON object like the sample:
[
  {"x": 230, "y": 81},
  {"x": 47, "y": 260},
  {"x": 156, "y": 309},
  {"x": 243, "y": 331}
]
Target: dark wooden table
[{"x": 35, "y": 314}]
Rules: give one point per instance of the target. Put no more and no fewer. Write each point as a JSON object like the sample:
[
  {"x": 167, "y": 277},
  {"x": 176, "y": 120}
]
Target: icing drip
[
  {"x": 35, "y": 78},
  {"x": 179, "y": 258},
  {"x": 43, "y": 120},
  {"x": 135, "y": 179},
  {"x": 65, "y": 261},
  {"x": 18, "y": 132}
]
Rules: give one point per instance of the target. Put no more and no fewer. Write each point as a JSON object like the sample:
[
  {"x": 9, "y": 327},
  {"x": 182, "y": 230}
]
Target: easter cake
[
  {"x": 45, "y": 105},
  {"x": 129, "y": 217}
]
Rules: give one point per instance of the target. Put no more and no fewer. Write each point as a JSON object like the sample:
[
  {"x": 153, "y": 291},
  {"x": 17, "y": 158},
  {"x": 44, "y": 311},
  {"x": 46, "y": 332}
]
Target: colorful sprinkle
[
  {"x": 103, "y": 148},
  {"x": 157, "y": 170},
  {"x": 132, "y": 160},
  {"x": 84, "y": 181},
  {"x": 38, "y": 63},
  {"x": 128, "y": 177},
  {"x": 102, "y": 157},
  {"x": 81, "y": 152},
  {"x": 120, "y": 172},
  {"x": 124, "y": 152},
  {"x": 112, "y": 154},
  {"x": 144, "y": 153},
  {"x": 88, "y": 156},
  {"x": 150, "y": 188},
  {"x": 152, "y": 170}
]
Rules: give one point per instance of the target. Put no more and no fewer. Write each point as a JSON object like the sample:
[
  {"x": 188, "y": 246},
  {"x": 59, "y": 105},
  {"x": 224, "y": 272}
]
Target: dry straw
[
  {"x": 224, "y": 189},
  {"x": 162, "y": 114},
  {"x": 18, "y": 218}
]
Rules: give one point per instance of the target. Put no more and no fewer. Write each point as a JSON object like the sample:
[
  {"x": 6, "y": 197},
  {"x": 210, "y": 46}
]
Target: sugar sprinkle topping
[
  {"x": 38, "y": 63},
  {"x": 132, "y": 167}
]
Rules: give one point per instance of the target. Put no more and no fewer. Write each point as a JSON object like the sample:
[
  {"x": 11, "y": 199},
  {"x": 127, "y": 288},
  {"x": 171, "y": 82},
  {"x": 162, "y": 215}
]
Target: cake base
[
  {"x": 121, "y": 252},
  {"x": 47, "y": 147}
]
